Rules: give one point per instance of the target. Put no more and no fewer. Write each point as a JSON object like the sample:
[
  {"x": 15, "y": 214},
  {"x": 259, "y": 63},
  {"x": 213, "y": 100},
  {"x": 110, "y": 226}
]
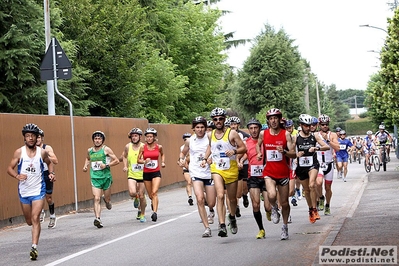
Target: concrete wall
[{"x": 57, "y": 130}]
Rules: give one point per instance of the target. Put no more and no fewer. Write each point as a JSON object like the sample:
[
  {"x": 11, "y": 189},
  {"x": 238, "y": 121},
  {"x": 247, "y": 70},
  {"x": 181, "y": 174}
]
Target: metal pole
[
  {"x": 307, "y": 106},
  {"x": 318, "y": 98},
  {"x": 50, "y": 83},
  {"x": 72, "y": 127}
]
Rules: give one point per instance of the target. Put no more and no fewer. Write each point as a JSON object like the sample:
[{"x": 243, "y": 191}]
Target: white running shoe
[
  {"x": 275, "y": 215},
  {"x": 284, "y": 232}
]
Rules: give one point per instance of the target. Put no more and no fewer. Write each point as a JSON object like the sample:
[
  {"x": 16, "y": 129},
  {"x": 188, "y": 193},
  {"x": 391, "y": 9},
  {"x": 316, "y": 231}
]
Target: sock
[
  {"x": 322, "y": 197},
  {"x": 211, "y": 210},
  {"x": 327, "y": 205},
  {"x": 232, "y": 217},
  {"x": 51, "y": 208},
  {"x": 258, "y": 219},
  {"x": 34, "y": 246}
]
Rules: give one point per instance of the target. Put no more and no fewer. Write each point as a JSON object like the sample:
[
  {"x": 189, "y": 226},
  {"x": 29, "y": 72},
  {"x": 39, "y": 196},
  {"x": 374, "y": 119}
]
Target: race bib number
[
  {"x": 96, "y": 166},
  {"x": 153, "y": 164},
  {"x": 342, "y": 147},
  {"x": 305, "y": 161},
  {"x": 223, "y": 164},
  {"x": 256, "y": 170},
  {"x": 137, "y": 167},
  {"x": 273, "y": 156}
]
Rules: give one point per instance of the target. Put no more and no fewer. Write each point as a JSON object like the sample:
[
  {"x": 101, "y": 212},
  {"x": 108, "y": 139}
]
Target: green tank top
[{"x": 96, "y": 159}]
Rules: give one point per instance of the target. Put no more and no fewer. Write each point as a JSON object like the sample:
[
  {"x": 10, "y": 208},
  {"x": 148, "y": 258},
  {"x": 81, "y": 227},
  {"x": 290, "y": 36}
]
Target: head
[
  {"x": 337, "y": 130},
  {"x": 313, "y": 126},
  {"x": 273, "y": 117},
  {"x": 254, "y": 127},
  {"x": 199, "y": 125},
  {"x": 40, "y": 138},
  {"x": 210, "y": 125},
  {"x": 381, "y": 128},
  {"x": 135, "y": 135},
  {"x": 305, "y": 121},
  {"x": 289, "y": 125},
  {"x": 150, "y": 135},
  {"x": 218, "y": 116},
  {"x": 342, "y": 134},
  {"x": 98, "y": 138},
  {"x": 30, "y": 132},
  {"x": 186, "y": 136},
  {"x": 324, "y": 122},
  {"x": 369, "y": 133},
  {"x": 234, "y": 122}
]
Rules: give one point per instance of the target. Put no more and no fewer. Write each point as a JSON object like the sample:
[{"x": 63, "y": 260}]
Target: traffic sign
[{"x": 63, "y": 65}]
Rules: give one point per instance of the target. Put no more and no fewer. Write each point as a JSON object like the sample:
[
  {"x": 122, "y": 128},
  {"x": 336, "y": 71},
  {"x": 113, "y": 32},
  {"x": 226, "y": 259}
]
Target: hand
[
  {"x": 85, "y": 169},
  {"x": 163, "y": 165},
  {"x": 52, "y": 177},
  {"x": 259, "y": 156},
  {"x": 300, "y": 154},
  {"x": 21, "y": 177},
  {"x": 125, "y": 169}
]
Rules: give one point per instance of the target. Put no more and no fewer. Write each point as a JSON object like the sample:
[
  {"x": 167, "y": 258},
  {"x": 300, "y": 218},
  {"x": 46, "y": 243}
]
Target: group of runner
[{"x": 221, "y": 164}]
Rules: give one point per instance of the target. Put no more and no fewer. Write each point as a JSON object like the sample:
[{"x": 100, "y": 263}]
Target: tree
[
  {"x": 272, "y": 76},
  {"x": 21, "y": 47},
  {"x": 386, "y": 92}
]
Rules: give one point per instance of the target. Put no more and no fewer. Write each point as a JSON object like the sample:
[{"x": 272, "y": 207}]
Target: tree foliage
[{"x": 272, "y": 76}]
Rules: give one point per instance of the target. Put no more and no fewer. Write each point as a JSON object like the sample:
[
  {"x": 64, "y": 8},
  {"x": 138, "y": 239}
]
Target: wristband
[
  {"x": 235, "y": 152},
  {"x": 107, "y": 166}
]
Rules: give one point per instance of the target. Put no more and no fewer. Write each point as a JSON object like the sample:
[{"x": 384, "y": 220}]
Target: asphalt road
[{"x": 175, "y": 239}]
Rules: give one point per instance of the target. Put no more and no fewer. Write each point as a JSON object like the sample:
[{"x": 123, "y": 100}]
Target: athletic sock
[
  {"x": 51, "y": 208},
  {"x": 258, "y": 219}
]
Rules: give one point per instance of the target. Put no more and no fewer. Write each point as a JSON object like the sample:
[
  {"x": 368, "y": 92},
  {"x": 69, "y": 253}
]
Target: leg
[
  {"x": 231, "y": 190},
  {"x": 156, "y": 181},
  {"x": 312, "y": 186},
  {"x": 143, "y": 203},
  {"x": 305, "y": 185},
  {"x": 189, "y": 185},
  {"x": 37, "y": 207},
  {"x": 283, "y": 191},
  {"x": 345, "y": 166},
  {"x": 199, "y": 194},
  {"x": 220, "y": 207},
  {"x": 97, "y": 201},
  {"x": 132, "y": 186}
]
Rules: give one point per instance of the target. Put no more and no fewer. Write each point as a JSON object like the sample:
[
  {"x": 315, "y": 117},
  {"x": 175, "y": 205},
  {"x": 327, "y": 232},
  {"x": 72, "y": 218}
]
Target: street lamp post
[{"x": 374, "y": 27}]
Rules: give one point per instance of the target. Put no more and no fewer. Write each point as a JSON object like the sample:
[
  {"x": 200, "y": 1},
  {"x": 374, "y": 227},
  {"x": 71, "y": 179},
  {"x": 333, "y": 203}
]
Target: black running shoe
[
  {"x": 154, "y": 217},
  {"x": 245, "y": 201}
]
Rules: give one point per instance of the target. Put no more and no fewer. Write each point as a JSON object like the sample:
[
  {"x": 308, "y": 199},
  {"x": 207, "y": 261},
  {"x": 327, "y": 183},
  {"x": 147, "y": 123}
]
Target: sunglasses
[
  {"x": 323, "y": 125},
  {"x": 218, "y": 119}
]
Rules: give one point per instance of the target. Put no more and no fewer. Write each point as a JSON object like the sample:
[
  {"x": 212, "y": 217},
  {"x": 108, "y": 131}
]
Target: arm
[
  {"x": 110, "y": 153},
  {"x": 124, "y": 157},
  {"x": 323, "y": 145},
  {"x": 13, "y": 164},
  {"x": 87, "y": 161},
  {"x": 183, "y": 153},
  {"x": 334, "y": 141},
  {"x": 51, "y": 155},
  {"x": 162, "y": 156},
  {"x": 259, "y": 146},
  {"x": 235, "y": 138},
  {"x": 291, "y": 153}
]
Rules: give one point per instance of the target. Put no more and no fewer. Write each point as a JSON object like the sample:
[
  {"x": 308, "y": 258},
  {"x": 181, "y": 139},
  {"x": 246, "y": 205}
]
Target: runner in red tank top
[{"x": 278, "y": 147}]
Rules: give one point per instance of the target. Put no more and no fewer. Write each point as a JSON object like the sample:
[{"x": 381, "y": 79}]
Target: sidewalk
[{"x": 375, "y": 220}]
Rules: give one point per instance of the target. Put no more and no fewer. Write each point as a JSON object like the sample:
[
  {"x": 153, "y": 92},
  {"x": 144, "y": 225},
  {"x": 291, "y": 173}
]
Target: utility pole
[
  {"x": 318, "y": 98},
  {"x": 306, "y": 78},
  {"x": 50, "y": 83}
]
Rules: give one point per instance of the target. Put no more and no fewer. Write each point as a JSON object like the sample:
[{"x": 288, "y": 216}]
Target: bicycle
[
  {"x": 384, "y": 157},
  {"x": 374, "y": 160}
]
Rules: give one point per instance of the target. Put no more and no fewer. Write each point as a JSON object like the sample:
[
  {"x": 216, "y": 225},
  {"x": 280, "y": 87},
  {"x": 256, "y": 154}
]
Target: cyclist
[
  {"x": 381, "y": 137},
  {"x": 368, "y": 145},
  {"x": 358, "y": 146}
]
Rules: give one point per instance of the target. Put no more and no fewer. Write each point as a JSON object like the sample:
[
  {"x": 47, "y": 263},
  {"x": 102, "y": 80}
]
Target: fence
[{"x": 57, "y": 130}]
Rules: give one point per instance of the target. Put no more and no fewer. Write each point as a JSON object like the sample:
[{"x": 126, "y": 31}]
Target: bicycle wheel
[
  {"x": 376, "y": 163},
  {"x": 384, "y": 160},
  {"x": 367, "y": 167},
  {"x": 359, "y": 158}
]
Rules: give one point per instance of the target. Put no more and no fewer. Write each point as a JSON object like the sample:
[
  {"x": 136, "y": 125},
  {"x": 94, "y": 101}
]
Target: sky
[{"x": 327, "y": 33}]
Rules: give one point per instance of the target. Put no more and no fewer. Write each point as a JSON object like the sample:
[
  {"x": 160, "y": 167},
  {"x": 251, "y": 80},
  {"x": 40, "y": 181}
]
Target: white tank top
[
  {"x": 34, "y": 185},
  {"x": 198, "y": 148}
]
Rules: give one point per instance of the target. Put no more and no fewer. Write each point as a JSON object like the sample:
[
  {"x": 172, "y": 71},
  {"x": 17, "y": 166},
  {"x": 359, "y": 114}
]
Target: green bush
[{"x": 359, "y": 126}]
